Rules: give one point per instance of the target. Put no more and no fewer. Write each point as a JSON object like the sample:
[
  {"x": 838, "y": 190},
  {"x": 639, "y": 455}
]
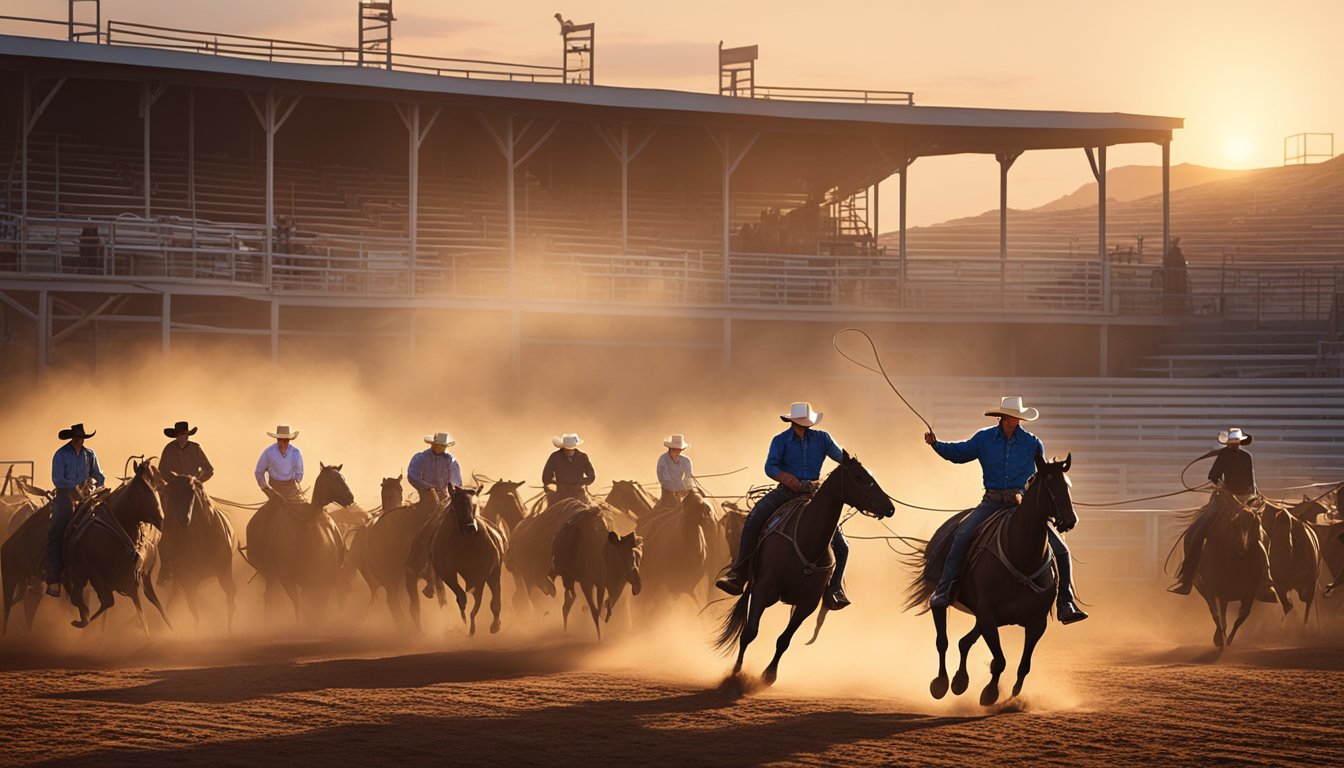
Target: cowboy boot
[
  {"x": 732, "y": 582},
  {"x": 835, "y": 599},
  {"x": 942, "y": 597},
  {"x": 1068, "y": 612}
]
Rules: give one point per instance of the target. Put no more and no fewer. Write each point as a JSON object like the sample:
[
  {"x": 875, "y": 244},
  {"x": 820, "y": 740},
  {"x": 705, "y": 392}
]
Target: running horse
[
  {"x": 463, "y": 545},
  {"x": 1294, "y": 555},
  {"x": 108, "y": 548},
  {"x": 1007, "y": 578},
  {"x": 792, "y": 562},
  {"x": 303, "y": 549},
  {"x": 197, "y": 541},
  {"x": 1231, "y": 568}
]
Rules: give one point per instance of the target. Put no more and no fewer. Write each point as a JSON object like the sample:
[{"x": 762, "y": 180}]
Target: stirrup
[{"x": 731, "y": 582}]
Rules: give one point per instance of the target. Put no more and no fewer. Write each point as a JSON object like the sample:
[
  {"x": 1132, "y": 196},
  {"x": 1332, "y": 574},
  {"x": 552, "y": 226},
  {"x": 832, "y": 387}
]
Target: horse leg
[
  {"x": 938, "y": 688},
  {"x": 227, "y": 584},
  {"x": 962, "y": 679},
  {"x": 569, "y": 599},
  {"x": 475, "y": 606},
  {"x": 77, "y": 600},
  {"x": 411, "y": 581},
  {"x": 1244, "y": 611},
  {"x": 755, "y": 607},
  {"x": 1033, "y": 636},
  {"x": 594, "y": 607},
  {"x": 1216, "y": 613},
  {"x": 140, "y": 609},
  {"x": 153, "y": 596},
  {"x": 105, "y": 600},
  {"x": 493, "y": 582},
  {"x": 796, "y": 619},
  {"x": 189, "y": 594},
  {"x": 450, "y": 579},
  {"x": 990, "y": 630}
]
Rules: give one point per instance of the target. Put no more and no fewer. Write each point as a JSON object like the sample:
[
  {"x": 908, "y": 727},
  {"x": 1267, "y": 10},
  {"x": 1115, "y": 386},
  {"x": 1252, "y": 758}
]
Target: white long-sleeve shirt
[
  {"x": 675, "y": 475},
  {"x": 286, "y": 466}
]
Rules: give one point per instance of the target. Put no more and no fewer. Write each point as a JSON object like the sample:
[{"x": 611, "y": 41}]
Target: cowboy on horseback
[
  {"x": 674, "y": 473},
  {"x": 434, "y": 469},
  {"x": 71, "y": 466},
  {"x": 1006, "y": 453},
  {"x": 568, "y": 469},
  {"x": 183, "y": 455},
  {"x": 279, "y": 472},
  {"x": 1234, "y": 470},
  {"x": 794, "y": 461}
]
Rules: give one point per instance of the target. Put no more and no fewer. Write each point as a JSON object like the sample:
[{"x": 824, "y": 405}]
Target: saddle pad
[
  {"x": 781, "y": 516},
  {"x": 985, "y": 540}
]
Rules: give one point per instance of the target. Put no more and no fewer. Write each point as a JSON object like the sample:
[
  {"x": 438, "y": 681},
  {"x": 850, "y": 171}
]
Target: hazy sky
[{"x": 1242, "y": 74}]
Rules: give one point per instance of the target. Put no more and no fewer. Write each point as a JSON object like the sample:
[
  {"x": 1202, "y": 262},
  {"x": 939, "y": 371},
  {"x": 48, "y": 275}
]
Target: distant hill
[{"x": 1131, "y": 182}]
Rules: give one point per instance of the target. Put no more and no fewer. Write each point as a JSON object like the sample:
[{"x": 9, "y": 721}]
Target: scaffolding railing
[
  {"x": 853, "y": 95},
  {"x": 295, "y": 51}
]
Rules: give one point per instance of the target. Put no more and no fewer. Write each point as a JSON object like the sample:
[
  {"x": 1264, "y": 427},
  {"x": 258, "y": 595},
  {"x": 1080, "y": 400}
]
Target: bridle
[{"x": 849, "y": 474}]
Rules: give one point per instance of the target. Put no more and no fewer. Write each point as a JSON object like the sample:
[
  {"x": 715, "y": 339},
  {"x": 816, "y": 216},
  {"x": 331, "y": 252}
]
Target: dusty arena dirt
[{"x": 337, "y": 701}]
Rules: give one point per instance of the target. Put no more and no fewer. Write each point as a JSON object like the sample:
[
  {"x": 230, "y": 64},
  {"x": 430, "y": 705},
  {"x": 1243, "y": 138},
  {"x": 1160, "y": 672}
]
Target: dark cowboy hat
[
  {"x": 75, "y": 431},
  {"x": 180, "y": 426}
]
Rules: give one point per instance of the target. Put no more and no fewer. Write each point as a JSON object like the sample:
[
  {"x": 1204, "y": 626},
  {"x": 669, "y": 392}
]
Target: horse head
[
  {"x": 859, "y": 490},
  {"x": 695, "y": 509},
  {"x": 505, "y": 487},
  {"x": 463, "y": 503},
  {"x": 627, "y": 496},
  {"x": 142, "y": 498},
  {"x": 1309, "y": 510},
  {"x": 1278, "y": 523},
  {"x": 1052, "y": 480},
  {"x": 331, "y": 487},
  {"x": 393, "y": 494},
  {"x": 623, "y": 554},
  {"x": 180, "y": 496}
]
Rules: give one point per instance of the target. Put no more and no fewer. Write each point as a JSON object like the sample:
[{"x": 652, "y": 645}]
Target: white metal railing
[{"x": 177, "y": 249}]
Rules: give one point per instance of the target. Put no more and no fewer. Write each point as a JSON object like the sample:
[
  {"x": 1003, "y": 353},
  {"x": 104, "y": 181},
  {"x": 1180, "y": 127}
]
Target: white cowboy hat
[
  {"x": 567, "y": 440},
  {"x": 1012, "y": 406},
  {"x": 1234, "y": 435},
  {"x": 282, "y": 433},
  {"x": 441, "y": 438},
  {"x": 802, "y": 414},
  {"x": 677, "y": 441}
]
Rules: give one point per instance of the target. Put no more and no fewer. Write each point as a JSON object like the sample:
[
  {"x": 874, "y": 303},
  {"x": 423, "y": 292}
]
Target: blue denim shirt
[
  {"x": 431, "y": 470},
  {"x": 69, "y": 469},
  {"x": 1006, "y": 464},
  {"x": 801, "y": 457}
]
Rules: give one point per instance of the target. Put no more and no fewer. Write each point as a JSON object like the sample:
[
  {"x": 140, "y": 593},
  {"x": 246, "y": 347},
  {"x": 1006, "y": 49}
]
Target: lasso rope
[{"x": 880, "y": 369}]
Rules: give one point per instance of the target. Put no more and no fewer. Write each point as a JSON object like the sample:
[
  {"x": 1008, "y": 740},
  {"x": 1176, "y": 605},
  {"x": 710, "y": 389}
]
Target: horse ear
[
  {"x": 845, "y": 455},
  {"x": 1040, "y": 461},
  {"x": 1068, "y": 461},
  {"x": 338, "y": 467},
  {"x": 400, "y": 476},
  {"x": 321, "y": 465},
  {"x": 613, "y": 538}
]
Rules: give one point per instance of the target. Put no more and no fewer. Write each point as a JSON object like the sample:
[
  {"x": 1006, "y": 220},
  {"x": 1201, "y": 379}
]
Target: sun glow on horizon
[{"x": 1238, "y": 150}]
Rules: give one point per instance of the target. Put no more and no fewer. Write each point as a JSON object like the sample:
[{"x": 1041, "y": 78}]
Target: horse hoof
[
  {"x": 960, "y": 682},
  {"x": 427, "y": 592},
  {"x": 1017, "y": 689},
  {"x": 938, "y": 688},
  {"x": 494, "y": 628},
  {"x": 768, "y": 677},
  {"x": 1218, "y": 639},
  {"x": 79, "y": 624},
  {"x": 989, "y": 695}
]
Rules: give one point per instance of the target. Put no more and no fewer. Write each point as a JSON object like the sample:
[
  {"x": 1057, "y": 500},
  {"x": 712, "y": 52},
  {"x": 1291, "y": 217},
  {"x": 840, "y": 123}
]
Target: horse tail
[
  {"x": 921, "y": 587},
  {"x": 821, "y": 619},
  {"x": 733, "y": 624}
]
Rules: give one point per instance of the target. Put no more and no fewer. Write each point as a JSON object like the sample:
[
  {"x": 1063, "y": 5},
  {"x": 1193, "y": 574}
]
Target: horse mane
[{"x": 926, "y": 559}]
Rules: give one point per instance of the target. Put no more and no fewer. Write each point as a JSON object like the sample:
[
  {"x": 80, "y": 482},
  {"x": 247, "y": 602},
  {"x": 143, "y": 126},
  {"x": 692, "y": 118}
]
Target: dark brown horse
[
  {"x": 379, "y": 550},
  {"x": 1294, "y": 555},
  {"x": 676, "y": 547},
  {"x": 792, "y": 562},
  {"x": 21, "y": 560},
  {"x": 996, "y": 585},
  {"x": 587, "y": 552},
  {"x": 529, "y": 555},
  {"x": 303, "y": 551},
  {"x": 1231, "y": 568},
  {"x": 465, "y": 546},
  {"x": 197, "y": 541},
  {"x": 503, "y": 506},
  {"x": 103, "y": 541}
]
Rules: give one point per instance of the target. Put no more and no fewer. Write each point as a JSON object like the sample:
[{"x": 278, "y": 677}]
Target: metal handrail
[
  {"x": 859, "y": 95},
  {"x": 277, "y": 49}
]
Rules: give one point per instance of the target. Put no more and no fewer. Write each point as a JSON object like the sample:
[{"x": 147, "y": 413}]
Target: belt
[{"x": 1002, "y": 494}]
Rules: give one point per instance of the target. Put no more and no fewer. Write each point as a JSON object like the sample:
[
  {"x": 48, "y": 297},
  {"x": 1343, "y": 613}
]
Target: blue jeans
[
  {"x": 961, "y": 542},
  {"x": 751, "y": 531},
  {"x": 61, "y": 511}
]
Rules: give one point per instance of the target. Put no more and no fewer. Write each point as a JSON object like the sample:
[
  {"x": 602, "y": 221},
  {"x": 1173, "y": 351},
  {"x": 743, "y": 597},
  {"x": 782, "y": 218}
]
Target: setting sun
[{"x": 1238, "y": 150}]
